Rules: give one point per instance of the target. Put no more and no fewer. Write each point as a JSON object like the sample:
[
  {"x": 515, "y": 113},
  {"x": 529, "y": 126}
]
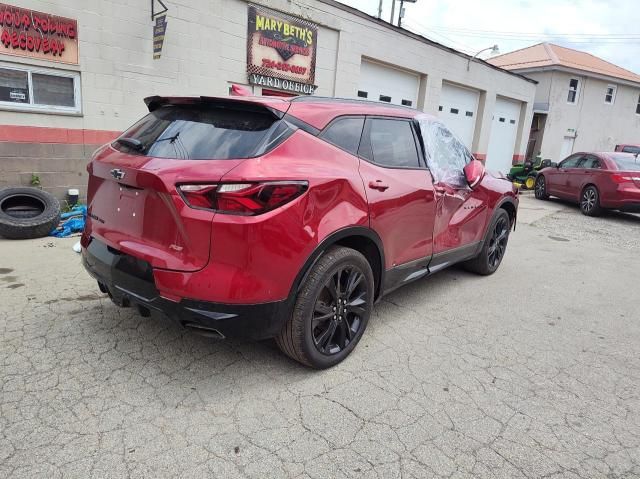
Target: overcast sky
[{"x": 609, "y": 29}]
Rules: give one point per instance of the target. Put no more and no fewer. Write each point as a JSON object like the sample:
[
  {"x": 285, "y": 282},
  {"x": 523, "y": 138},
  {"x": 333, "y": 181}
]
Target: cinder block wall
[{"x": 59, "y": 166}]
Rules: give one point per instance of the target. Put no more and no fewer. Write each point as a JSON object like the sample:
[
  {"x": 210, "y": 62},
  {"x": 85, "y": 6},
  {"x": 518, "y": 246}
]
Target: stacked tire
[{"x": 27, "y": 213}]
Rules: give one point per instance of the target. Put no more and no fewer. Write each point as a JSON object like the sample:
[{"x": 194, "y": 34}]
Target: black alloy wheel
[
  {"x": 498, "y": 242},
  {"x": 331, "y": 310},
  {"x": 494, "y": 245},
  {"x": 339, "y": 310},
  {"x": 541, "y": 188}
]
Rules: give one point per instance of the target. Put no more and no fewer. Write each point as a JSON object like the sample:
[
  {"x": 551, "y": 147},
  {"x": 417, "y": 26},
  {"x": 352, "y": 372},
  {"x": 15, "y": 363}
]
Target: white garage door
[
  {"x": 458, "y": 110},
  {"x": 504, "y": 129},
  {"x": 383, "y": 83}
]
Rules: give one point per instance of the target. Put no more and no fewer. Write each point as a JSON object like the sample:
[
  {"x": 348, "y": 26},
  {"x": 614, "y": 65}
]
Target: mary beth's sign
[
  {"x": 28, "y": 33},
  {"x": 281, "y": 51}
]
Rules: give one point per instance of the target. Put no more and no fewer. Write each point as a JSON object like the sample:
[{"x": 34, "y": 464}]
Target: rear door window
[
  {"x": 591, "y": 163},
  {"x": 345, "y": 133},
  {"x": 199, "y": 132},
  {"x": 390, "y": 143}
]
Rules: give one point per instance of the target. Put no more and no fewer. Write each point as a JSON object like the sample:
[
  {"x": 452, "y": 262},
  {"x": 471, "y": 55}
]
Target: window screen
[
  {"x": 14, "y": 86},
  {"x": 52, "y": 90},
  {"x": 345, "y": 133},
  {"x": 393, "y": 143}
]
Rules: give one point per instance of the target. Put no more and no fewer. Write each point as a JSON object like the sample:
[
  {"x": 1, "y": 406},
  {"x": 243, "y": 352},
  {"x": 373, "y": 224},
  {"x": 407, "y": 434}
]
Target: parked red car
[
  {"x": 286, "y": 218},
  {"x": 635, "y": 149},
  {"x": 596, "y": 181}
]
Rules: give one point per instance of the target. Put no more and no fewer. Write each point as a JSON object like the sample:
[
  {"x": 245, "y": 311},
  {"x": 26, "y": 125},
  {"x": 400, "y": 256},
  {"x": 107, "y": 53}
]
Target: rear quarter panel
[{"x": 256, "y": 259}]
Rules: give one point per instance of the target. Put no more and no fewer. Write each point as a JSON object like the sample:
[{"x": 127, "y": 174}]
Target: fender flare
[{"x": 329, "y": 241}]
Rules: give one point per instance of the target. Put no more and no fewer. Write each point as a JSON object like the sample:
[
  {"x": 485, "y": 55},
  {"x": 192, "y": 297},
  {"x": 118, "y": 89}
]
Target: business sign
[
  {"x": 281, "y": 49},
  {"x": 159, "y": 30},
  {"x": 27, "y": 33}
]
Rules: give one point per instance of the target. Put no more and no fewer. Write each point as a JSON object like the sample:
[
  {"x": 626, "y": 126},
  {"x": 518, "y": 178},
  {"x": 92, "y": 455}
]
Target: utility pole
[
  {"x": 401, "y": 14},
  {"x": 393, "y": 10},
  {"x": 380, "y": 9}
]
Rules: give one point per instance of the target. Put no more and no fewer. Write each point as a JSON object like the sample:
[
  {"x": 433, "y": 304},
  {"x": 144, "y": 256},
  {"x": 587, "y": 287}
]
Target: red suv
[{"x": 286, "y": 218}]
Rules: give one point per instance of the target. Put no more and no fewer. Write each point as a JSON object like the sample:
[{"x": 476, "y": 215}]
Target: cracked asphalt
[{"x": 532, "y": 372}]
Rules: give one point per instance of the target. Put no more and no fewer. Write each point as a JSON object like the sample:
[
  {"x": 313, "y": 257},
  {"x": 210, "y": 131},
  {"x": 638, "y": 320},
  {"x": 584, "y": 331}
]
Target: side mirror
[{"x": 473, "y": 172}]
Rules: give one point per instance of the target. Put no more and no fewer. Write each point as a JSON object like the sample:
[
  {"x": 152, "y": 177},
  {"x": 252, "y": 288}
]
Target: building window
[
  {"x": 362, "y": 94},
  {"x": 440, "y": 107},
  {"x": 407, "y": 102},
  {"x": 385, "y": 98},
  {"x": 610, "y": 95},
  {"x": 454, "y": 111},
  {"x": 469, "y": 113},
  {"x": 37, "y": 89},
  {"x": 513, "y": 122},
  {"x": 573, "y": 90},
  {"x": 638, "y": 106},
  {"x": 501, "y": 120}
]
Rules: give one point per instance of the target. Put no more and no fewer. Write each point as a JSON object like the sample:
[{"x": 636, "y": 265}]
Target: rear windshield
[
  {"x": 197, "y": 132},
  {"x": 626, "y": 162}
]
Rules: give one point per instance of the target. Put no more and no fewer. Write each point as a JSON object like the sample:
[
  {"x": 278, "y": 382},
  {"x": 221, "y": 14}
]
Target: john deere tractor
[{"x": 524, "y": 175}]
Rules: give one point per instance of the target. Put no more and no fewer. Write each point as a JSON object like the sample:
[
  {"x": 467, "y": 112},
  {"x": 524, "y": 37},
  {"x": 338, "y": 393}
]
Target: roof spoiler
[{"x": 277, "y": 108}]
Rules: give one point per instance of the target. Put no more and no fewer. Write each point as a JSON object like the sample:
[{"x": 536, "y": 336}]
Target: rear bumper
[{"x": 129, "y": 281}]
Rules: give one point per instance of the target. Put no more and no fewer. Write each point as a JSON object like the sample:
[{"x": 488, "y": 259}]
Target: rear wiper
[
  {"x": 131, "y": 143},
  {"x": 170, "y": 139}
]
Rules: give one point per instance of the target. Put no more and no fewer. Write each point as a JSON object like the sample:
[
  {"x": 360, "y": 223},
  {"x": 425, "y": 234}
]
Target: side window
[
  {"x": 574, "y": 84},
  {"x": 591, "y": 163},
  {"x": 345, "y": 133},
  {"x": 571, "y": 162},
  {"x": 392, "y": 143},
  {"x": 446, "y": 156}
]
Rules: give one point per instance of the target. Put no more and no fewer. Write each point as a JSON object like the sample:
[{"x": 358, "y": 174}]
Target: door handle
[{"x": 378, "y": 185}]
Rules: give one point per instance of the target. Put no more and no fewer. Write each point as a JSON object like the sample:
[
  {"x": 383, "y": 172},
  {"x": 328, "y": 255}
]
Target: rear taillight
[
  {"x": 617, "y": 178},
  {"x": 248, "y": 199}
]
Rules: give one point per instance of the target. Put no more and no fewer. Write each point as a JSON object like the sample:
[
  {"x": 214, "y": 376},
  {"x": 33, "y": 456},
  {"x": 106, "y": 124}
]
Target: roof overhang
[{"x": 577, "y": 71}]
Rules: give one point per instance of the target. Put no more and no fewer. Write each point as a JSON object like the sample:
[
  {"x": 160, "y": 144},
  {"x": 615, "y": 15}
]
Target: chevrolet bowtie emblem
[{"x": 117, "y": 173}]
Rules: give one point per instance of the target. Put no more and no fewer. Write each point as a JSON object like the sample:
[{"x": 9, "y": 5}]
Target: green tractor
[{"x": 524, "y": 175}]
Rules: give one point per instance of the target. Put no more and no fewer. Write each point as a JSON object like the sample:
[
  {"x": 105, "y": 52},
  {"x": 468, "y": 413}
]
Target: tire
[
  {"x": 590, "y": 201},
  {"x": 541, "y": 188},
  {"x": 321, "y": 331},
  {"x": 494, "y": 246},
  {"x": 27, "y": 213}
]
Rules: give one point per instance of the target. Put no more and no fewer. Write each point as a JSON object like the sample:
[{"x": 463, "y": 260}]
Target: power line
[{"x": 501, "y": 32}]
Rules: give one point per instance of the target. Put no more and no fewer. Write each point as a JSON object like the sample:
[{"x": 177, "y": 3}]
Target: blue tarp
[{"x": 71, "y": 222}]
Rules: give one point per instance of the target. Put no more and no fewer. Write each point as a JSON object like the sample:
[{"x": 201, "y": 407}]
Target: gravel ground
[
  {"x": 531, "y": 372},
  {"x": 613, "y": 229}
]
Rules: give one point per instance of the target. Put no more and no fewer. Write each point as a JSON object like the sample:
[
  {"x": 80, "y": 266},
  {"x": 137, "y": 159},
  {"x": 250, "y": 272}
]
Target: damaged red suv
[{"x": 286, "y": 218}]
